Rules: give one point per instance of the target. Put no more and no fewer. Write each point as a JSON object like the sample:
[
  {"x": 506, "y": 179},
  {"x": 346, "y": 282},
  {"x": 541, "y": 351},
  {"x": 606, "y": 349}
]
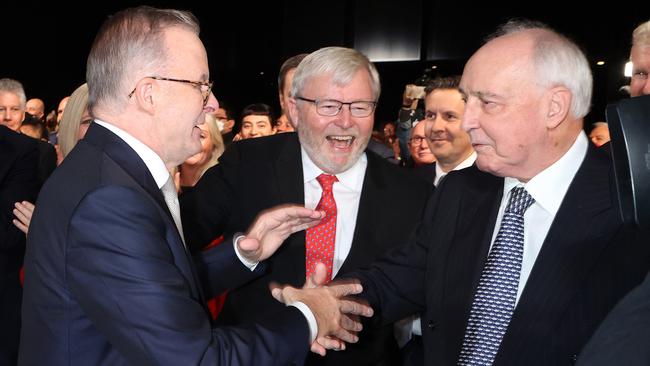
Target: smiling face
[
  {"x": 333, "y": 143},
  {"x": 181, "y": 106},
  {"x": 447, "y": 140},
  {"x": 253, "y": 126}
]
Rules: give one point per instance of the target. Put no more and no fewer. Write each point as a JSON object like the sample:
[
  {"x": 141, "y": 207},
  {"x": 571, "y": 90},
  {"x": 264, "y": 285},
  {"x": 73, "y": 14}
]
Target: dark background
[{"x": 45, "y": 45}]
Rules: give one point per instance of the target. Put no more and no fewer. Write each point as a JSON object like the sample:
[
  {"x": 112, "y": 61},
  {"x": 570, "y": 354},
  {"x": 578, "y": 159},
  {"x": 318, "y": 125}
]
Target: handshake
[{"x": 337, "y": 314}]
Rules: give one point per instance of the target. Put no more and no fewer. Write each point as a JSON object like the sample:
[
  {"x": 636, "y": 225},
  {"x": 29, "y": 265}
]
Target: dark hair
[
  {"x": 35, "y": 122},
  {"x": 448, "y": 82},
  {"x": 259, "y": 109},
  {"x": 288, "y": 65},
  {"x": 226, "y": 107}
]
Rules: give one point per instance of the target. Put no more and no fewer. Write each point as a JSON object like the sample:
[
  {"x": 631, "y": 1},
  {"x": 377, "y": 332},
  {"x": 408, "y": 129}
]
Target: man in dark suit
[
  {"x": 18, "y": 182},
  {"x": 518, "y": 262},
  {"x": 108, "y": 280},
  {"x": 377, "y": 203}
]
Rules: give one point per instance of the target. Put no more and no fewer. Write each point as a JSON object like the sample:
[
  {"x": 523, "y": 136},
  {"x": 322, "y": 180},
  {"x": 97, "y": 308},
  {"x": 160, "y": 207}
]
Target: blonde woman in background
[
  {"x": 212, "y": 147},
  {"x": 72, "y": 128}
]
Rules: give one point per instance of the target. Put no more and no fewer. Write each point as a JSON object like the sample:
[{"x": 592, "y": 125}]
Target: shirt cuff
[
  {"x": 248, "y": 264},
  {"x": 311, "y": 319}
]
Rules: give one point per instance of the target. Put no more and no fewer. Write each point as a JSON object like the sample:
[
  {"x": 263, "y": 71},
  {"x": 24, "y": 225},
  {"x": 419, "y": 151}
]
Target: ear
[
  {"x": 559, "y": 106},
  {"x": 293, "y": 111},
  {"x": 144, "y": 94}
]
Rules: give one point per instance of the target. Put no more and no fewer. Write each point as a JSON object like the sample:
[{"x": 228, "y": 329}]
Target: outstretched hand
[
  {"x": 272, "y": 227},
  {"x": 337, "y": 315}
]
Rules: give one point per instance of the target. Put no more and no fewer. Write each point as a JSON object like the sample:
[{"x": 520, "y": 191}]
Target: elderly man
[
  {"x": 518, "y": 260},
  {"x": 370, "y": 203}
]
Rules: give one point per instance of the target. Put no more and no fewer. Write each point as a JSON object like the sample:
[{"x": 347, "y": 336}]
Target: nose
[
  {"x": 212, "y": 104},
  {"x": 344, "y": 118},
  {"x": 470, "y": 116}
]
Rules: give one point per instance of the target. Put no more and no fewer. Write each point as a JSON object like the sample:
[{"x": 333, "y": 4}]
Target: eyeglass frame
[
  {"x": 195, "y": 83},
  {"x": 316, "y": 102},
  {"x": 421, "y": 139}
]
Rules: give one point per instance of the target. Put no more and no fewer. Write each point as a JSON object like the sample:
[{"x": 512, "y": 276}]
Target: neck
[{"x": 450, "y": 165}]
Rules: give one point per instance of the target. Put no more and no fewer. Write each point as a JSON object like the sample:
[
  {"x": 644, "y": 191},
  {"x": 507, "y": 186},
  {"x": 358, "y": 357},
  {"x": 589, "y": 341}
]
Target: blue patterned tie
[{"x": 494, "y": 301}]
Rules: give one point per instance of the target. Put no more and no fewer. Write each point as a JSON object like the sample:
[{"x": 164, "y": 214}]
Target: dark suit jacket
[
  {"x": 624, "y": 336},
  {"x": 46, "y": 160},
  {"x": 260, "y": 173},
  {"x": 18, "y": 182},
  {"x": 108, "y": 281},
  {"x": 587, "y": 263}
]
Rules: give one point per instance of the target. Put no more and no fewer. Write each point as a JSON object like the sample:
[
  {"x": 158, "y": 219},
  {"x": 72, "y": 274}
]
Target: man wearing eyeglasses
[
  {"x": 108, "y": 278},
  {"x": 376, "y": 204}
]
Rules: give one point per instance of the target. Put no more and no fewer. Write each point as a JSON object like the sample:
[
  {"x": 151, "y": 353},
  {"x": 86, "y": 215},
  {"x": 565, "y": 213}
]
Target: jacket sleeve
[{"x": 123, "y": 274}]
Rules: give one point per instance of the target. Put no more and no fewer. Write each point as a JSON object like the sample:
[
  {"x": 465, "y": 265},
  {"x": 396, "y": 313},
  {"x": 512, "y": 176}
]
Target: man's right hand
[{"x": 337, "y": 315}]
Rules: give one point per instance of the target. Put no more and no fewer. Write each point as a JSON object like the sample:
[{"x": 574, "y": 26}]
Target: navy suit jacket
[
  {"x": 588, "y": 261},
  {"x": 108, "y": 281},
  {"x": 18, "y": 182},
  {"x": 256, "y": 174}
]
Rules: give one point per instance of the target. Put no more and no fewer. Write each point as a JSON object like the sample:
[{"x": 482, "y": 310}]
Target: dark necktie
[
  {"x": 319, "y": 240},
  {"x": 495, "y": 296}
]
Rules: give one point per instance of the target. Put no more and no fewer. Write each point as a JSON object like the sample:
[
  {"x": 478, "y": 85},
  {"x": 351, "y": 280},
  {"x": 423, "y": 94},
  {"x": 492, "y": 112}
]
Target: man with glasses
[
  {"x": 333, "y": 98},
  {"x": 108, "y": 279}
]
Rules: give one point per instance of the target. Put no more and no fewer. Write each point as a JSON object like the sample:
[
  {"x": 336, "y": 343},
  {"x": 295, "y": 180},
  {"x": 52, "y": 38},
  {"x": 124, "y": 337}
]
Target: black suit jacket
[
  {"x": 108, "y": 281},
  {"x": 18, "y": 182},
  {"x": 256, "y": 174},
  {"x": 587, "y": 263}
]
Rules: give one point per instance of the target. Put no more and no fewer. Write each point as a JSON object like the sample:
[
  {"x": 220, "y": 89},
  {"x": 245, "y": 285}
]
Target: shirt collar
[
  {"x": 153, "y": 162},
  {"x": 551, "y": 184},
  {"x": 463, "y": 164},
  {"x": 351, "y": 178}
]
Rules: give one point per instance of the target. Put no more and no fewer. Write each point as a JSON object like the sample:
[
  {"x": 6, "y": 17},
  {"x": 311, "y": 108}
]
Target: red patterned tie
[{"x": 320, "y": 238}]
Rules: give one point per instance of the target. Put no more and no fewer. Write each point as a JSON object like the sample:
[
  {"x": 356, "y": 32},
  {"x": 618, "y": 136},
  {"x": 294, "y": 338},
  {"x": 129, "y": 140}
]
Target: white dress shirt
[
  {"x": 463, "y": 164},
  {"x": 548, "y": 189},
  {"x": 347, "y": 193},
  {"x": 160, "y": 175}
]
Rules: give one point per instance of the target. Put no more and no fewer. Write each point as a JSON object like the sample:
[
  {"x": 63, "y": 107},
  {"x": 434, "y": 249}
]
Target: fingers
[
  {"x": 355, "y": 307},
  {"x": 351, "y": 323},
  {"x": 345, "y": 287},
  {"x": 345, "y": 335},
  {"x": 318, "y": 276},
  {"x": 20, "y": 226},
  {"x": 321, "y": 344}
]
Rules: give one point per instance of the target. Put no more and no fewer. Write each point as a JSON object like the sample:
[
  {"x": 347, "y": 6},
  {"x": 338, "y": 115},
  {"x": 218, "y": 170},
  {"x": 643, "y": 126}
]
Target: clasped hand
[{"x": 337, "y": 314}]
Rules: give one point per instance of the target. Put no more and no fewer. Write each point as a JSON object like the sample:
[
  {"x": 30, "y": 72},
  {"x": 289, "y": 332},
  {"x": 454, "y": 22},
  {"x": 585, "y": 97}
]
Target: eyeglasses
[
  {"x": 416, "y": 140},
  {"x": 204, "y": 86},
  {"x": 331, "y": 107}
]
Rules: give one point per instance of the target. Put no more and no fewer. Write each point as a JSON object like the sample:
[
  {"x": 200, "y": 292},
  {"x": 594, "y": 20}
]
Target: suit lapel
[
  {"x": 476, "y": 214},
  {"x": 578, "y": 231},
  {"x": 291, "y": 189},
  {"x": 123, "y": 155},
  {"x": 368, "y": 214}
]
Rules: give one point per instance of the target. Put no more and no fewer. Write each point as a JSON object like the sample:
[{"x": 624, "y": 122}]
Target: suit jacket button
[{"x": 431, "y": 324}]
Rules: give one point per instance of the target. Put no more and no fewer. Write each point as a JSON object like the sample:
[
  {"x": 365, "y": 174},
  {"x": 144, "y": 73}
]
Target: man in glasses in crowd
[{"x": 325, "y": 164}]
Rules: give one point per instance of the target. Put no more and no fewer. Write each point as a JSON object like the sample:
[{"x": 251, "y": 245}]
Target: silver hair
[
  {"x": 641, "y": 35},
  {"x": 558, "y": 61},
  {"x": 8, "y": 85},
  {"x": 339, "y": 62},
  {"x": 128, "y": 42}
]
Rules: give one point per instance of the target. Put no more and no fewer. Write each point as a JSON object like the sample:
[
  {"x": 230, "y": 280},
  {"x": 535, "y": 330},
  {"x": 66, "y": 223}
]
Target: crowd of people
[{"x": 482, "y": 229}]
